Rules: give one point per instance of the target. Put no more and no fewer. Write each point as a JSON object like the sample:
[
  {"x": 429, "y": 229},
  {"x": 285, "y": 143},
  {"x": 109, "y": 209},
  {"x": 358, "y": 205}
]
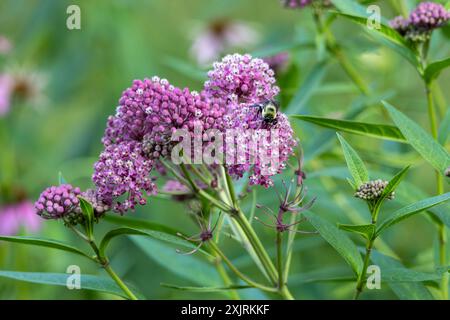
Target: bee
[{"x": 268, "y": 110}]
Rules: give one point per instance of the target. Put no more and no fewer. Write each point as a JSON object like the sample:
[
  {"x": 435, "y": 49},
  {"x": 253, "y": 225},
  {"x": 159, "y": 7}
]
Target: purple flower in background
[
  {"x": 428, "y": 16},
  {"x": 294, "y": 4},
  {"x": 298, "y": 4},
  {"x": 21, "y": 84},
  {"x": 400, "y": 24},
  {"x": 6, "y": 90},
  {"x": 220, "y": 35},
  {"x": 17, "y": 215},
  {"x": 5, "y": 45},
  {"x": 277, "y": 62},
  {"x": 122, "y": 170},
  {"x": 177, "y": 190},
  {"x": 241, "y": 79}
]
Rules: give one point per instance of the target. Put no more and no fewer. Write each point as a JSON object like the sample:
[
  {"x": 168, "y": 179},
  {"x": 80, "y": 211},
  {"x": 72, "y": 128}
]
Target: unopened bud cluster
[{"x": 372, "y": 190}]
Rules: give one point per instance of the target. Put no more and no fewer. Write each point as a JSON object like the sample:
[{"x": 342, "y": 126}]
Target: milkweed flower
[
  {"x": 60, "y": 202},
  {"x": 425, "y": 18},
  {"x": 241, "y": 79},
  {"x": 150, "y": 111},
  {"x": 262, "y": 148},
  {"x": 277, "y": 62},
  {"x": 123, "y": 171},
  {"x": 428, "y": 16},
  {"x": 220, "y": 35},
  {"x": 16, "y": 215}
]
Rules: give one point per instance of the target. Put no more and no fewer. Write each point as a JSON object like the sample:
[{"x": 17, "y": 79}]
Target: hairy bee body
[{"x": 268, "y": 110}]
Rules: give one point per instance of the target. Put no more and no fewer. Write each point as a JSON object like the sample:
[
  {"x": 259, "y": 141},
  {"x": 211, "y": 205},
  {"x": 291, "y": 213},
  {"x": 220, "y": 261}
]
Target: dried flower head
[
  {"x": 372, "y": 190},
  {"x": 204, "y": 236}
]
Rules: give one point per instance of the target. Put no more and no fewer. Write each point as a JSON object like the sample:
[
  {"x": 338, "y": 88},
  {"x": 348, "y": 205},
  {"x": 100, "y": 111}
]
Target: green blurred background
[{"x": 83, "y": 73}]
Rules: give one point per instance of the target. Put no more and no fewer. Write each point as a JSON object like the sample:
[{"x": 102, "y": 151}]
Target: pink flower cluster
[
  {"x": 296, "y": 4},
  {"x": 241, "y": 79},
  {"x": 59, "y": 202},
  {"x": 426, "y": 17},
  {"x": 139, "y": 135},
  {"x": 276, "y": 142},
  {"x": 16, "y": 215}
]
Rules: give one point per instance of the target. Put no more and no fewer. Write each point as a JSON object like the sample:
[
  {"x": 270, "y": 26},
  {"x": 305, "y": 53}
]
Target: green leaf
[
  {"x": 403, "y": 290},
  {"x": 398, "y": 274},
  {"x": 87, "y": 282},
  {"x": 274, "y": 49},
  {"x": 366, "y": 230},
  {"x": 444, "y": 128},
  {"x": 88, "y": 213},
  {"x": 420, "y": 140},
  {"x": 188, "y": 267},
  {"x": 389, "y": 37},
  {"x": 379, "y": 131},
  {"x": 204, "y": 289},
  {"x": 61, "y": 179},
  {"x": 391, "y": 186},
  {"x": 48, "y": 243},
  {"x": 185, "y": 68},
  {"x": 309, "y": 85},
  {"x": 434, "y": 69},
  {"x": 338, "y": 240},
  {"x": 411, "y": 210},
  {"x": 354, "y": 163},
  {"x": 156, "y": 234},
  {"x": 350, "y": 7}
]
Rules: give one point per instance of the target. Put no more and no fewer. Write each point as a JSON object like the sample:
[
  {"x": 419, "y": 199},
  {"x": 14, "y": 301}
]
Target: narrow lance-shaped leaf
[
  {"x": 88, "y": 213},
  {"x": 389, "y": 37},
  {"x": 338, "y": 240},
  {"x": 48, "y": 243},
  {"x": 174, "y": 239},
  {"x": 420, "y": 140},
  {"x": 434, "y": 69},
  {"x": 374, "y": 130},
  {"x": 411, "y": 210},
  {"x": 365, "y": 230},
  {"x": 391, "y": 186},
  {"x": 204, "y": 289},
  {"x": 307, "y": 88},
  {"x": 88, "y": 282},
  {"x": 354, "y": 163},
  {"x": 444, "y": 128}
]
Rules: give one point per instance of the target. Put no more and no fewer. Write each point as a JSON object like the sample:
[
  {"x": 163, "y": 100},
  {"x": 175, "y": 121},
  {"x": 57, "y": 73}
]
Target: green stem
[
  {"x": 442, "y": 232},
  {"x": 238, "y": 273},
  {"x": 362, "y": 276},
  {"x": 119, "y": 282},
  {"x": 337, "y": 52},
  {"x": 257, "y": 246},
  {"x": 226, "y": 279},
  {"x": 104, "y": 263},
  {"x": 280, "y": 261}
]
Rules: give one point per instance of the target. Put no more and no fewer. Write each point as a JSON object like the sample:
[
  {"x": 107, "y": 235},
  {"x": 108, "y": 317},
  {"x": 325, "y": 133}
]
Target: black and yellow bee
[{"x": 268, "y": 110}]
